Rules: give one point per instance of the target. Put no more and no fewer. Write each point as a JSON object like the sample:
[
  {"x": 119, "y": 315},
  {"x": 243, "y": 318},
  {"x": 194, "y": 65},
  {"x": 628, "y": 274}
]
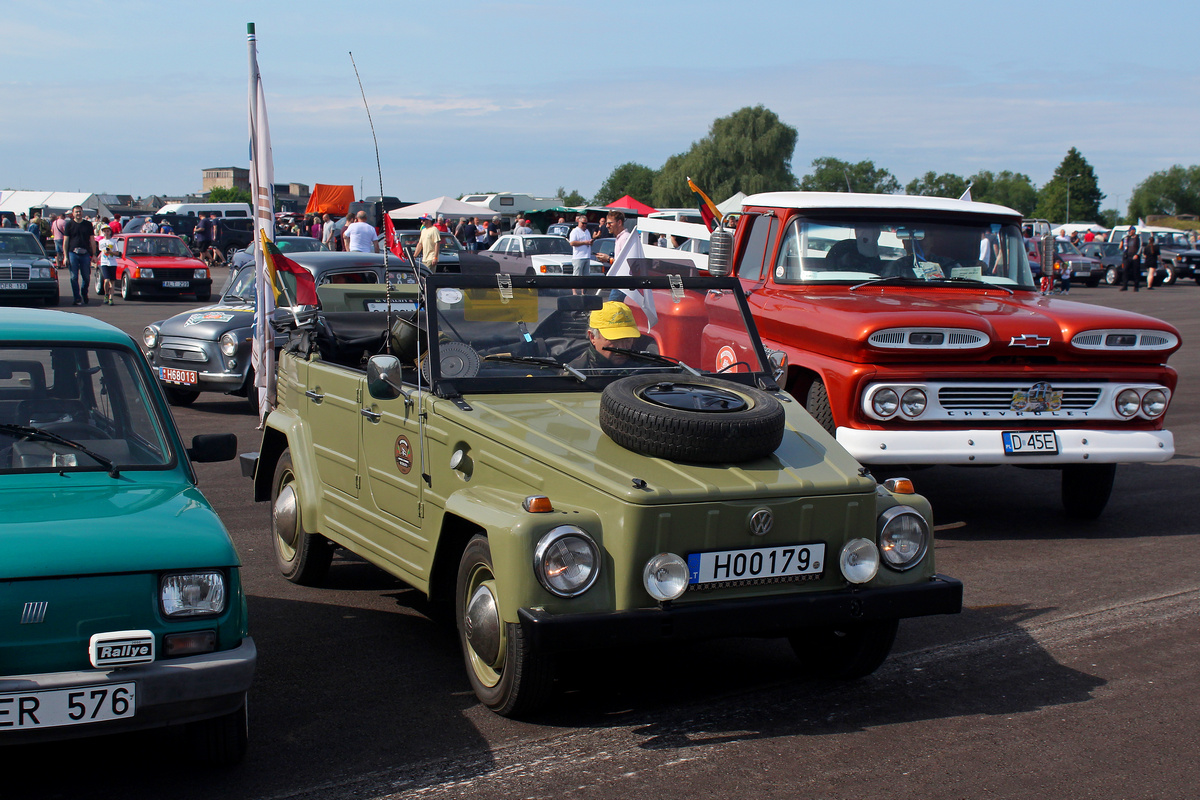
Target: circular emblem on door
[
  {"x": 761, "y": 521},
  {"x": 726, "y": 358},
  {"x": 403, "y": 455}
]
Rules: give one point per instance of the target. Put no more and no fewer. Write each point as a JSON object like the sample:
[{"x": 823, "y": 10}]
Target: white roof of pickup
[{"x": 889, "y": 202}]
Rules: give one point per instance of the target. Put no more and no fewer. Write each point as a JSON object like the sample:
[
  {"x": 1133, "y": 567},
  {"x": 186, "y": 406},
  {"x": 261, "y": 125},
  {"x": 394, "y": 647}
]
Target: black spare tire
[{"x": 691, "y": 418}]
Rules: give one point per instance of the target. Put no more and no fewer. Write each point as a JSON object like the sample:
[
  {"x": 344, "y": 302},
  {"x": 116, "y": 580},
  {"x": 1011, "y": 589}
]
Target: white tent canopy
[
  {"x": 444, "y": 206},
  {"x": 732, "y": 205},
  {"x": 19, "y": 202}
]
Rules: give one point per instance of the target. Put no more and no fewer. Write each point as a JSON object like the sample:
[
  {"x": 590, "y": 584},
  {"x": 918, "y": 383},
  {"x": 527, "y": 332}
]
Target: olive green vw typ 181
[{"x": 577, "y": 463}]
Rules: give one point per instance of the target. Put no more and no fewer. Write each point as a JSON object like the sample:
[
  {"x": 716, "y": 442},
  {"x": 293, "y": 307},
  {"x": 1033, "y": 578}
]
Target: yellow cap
[{"x": 614, "y": 321}]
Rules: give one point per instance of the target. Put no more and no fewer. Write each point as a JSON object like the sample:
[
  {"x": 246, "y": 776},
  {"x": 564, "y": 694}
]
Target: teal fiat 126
[
  {"x": 121, "y": 604},
  {"x": 565, "y": 463}
]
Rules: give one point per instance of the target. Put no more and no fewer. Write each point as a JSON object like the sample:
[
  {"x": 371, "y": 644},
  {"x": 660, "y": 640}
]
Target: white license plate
[
  {"x": 397, "y": 305},
  {"x": 183, "y": 376},
  {"x": 76, "y": 706},
  {"x": 1030, "y": 443},
  {"x": 793, "y": 562},
  {"x": 176, "y": 284},
  {"x": 14, "y": 287}
]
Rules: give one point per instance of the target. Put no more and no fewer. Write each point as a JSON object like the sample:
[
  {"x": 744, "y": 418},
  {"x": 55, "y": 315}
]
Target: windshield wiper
[
  {"x": 889, "y": 279},
  {"x": 657, "y": 358},
  {"x": 27, "y": 432},
  {"x": 540, "y": 361},
  {"x": 958, "y": 278}
]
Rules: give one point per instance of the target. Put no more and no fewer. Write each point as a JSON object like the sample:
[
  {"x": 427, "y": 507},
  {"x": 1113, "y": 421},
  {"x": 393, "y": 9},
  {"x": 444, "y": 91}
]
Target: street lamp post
[{"x": 1069, "y": 177}]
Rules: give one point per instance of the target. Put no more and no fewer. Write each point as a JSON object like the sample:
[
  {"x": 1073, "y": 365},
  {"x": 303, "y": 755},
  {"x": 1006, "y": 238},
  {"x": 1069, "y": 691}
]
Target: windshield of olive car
[
  {"x": 902, "y": 250},
  {"x": 60, "y": 403},
  {"x": 627, "y": 327},
  {"x": 169, "y": 246}
]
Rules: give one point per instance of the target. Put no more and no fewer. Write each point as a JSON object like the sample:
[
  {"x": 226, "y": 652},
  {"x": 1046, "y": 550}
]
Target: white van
[
  {"x": 667, "y": 238},
  {"x": 220, "y": 209}
]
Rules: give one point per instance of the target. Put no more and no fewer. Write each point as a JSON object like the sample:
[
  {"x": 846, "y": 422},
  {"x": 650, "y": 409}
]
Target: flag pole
[{"x": 262, "y": 353}]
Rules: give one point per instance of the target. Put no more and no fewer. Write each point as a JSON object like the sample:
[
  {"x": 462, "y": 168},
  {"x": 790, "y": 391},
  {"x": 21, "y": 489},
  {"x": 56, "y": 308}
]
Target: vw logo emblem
[{"x": 761, "y": 521}]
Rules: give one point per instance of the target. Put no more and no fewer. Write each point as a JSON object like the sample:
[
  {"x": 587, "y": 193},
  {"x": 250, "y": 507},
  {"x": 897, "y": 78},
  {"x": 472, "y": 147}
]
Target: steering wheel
[
  {"x": 900, "y": 268},
  {"x": 844, "y": 257},
  {"x": 76, "y": 430}
]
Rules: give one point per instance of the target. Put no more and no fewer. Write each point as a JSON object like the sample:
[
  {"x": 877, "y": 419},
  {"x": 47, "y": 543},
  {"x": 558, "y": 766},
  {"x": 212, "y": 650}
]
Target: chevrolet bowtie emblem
[{"x": 1029, "y": 340}]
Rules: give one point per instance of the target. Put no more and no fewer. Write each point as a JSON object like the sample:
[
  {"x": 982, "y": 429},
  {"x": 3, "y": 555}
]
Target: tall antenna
[{"x": 387, "y": 277}]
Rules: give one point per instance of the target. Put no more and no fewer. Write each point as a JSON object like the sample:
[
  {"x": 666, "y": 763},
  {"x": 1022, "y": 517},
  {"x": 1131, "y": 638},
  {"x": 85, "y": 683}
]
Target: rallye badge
[
  {"x": 1029, "y": 340},
  {"x": 1039, "y": 397},
  {"x": 403, "y": 455},
  {"x": 207, "y": 316}
]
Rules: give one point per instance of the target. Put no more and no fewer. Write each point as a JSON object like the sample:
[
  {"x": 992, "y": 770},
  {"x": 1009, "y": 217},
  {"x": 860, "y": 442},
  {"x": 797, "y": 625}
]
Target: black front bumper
[{"x": 764, "y": 616}]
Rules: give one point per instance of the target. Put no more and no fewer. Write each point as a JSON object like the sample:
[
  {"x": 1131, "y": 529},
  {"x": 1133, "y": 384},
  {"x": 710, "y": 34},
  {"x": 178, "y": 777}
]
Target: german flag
[
  {"x": 708, "y": 209},
  {"x": 275, "y": 261}
]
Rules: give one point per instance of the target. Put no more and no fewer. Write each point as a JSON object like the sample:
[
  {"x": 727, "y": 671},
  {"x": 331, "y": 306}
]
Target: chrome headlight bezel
[
  {"x": 228, "y": 344},
  {"x": 551, "y": 547},
  {"x": 889, "y": 527},
  {"x": 859, "y": 561},
  {"x": 189, "y": 595},
  {"x": 654, "y": 580},
  {"x": 1151, "y": 399},
  {"x": 1127, "y": 402},
  {"x": 150, "y": 336},
  {"x": 199, "y": 274},
  {"x": 885, "y": 402}
]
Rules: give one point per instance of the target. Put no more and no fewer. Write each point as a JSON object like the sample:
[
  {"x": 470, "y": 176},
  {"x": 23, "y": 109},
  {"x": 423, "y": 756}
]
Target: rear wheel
[
  {"x": 303, "y": 558},
  {"x": 507, "y": 675},
  {"x": 1086, "y": 489},
  {"x": 221, "y": 740},
  {"x": 845, "y": 652}
]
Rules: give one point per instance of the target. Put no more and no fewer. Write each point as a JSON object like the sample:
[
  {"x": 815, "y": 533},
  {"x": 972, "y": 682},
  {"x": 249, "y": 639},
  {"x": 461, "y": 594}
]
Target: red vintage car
[
  {"x": 915, "y": 334},
  {"x": 158, "y": 264}
]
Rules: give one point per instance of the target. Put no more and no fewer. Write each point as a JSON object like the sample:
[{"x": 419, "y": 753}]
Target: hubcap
[
  {"x": 482, "y": 625},
  {"x": 286, "y": 515}
]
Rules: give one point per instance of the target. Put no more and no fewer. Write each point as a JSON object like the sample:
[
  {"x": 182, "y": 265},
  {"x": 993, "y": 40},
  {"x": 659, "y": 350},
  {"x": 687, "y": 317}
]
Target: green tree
[
  {"x": 221, "y": 194},
  {"x": 1110, "y": 218},
  {"x": 932, "y": 184},
  {"x": 1085, "y": 191},
  {"x": 571, "y": 198},
  {"x": 832, "y": 175},
  {"x": 1012, "y": 189},
  {"x": 748, "y": 151},
  {"x": 1172, "y": 191},
  {"x": 630, "y": 179}
]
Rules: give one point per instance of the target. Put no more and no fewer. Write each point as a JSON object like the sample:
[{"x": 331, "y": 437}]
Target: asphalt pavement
[{"x": 1069, "y": 674}]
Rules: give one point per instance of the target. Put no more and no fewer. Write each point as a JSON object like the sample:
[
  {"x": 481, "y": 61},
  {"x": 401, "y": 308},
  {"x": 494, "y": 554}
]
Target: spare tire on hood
[{"x": 691, "y": 418}]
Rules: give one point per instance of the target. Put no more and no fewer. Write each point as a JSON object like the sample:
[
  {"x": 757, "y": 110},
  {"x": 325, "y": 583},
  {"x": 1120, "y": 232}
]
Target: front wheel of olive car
[
  {"x": 179, "y": 397},
  {"x": 845, "y": 652},
  {"x": 1086, "y": 489},
  {"x": 220, "y": 741},
  {"x": 507, "y": 675},
  {"x": 303, "y": 558}
]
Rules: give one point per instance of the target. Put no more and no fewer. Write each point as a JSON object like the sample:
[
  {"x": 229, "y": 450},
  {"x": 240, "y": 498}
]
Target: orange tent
[{"x": 330, "y": 199}]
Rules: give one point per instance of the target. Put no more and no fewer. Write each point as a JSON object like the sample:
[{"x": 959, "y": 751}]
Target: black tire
[
  {"x": 817, "y": 405},
  {"x": 98, "y": 284},
  {"x": 845, "y": 652},
  {"x": 1092, "y": 283},
  {"x": 203, "y": 297},
  {"x": 687, "y": 434},
  {"x": 1168, "y": 275},
  {"x": 179, "y": 397},
  {"x": 1086, "y": 489},
  {"x": 127, "y": 291},
  {"x": 251, "y": 393},
  {"x": 516, "y": 681},
  {"x": 229, "y": 251},
  {"x": 220, "y": 741},
  {"x": 303, "y": 558},
  {"x": 1112, "y": 276},
  {"x": 52, "y": 300}
]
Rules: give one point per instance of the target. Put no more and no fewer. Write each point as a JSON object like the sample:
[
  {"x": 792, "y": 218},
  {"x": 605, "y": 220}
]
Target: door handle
[
  {"x": 374, "y": 416},
  {"x": 314, "y": 396}
]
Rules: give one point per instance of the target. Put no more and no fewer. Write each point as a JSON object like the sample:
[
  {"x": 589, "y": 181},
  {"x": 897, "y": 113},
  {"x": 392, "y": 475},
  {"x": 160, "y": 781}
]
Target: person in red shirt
[
  {"x": 115, "y": 224},
  {"x": 1088, "y": 236}
]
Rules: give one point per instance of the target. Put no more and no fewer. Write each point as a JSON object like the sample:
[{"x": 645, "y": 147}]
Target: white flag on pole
[
  {"x": 262, "y": 190},
  {"x": 632, "y": 249}
]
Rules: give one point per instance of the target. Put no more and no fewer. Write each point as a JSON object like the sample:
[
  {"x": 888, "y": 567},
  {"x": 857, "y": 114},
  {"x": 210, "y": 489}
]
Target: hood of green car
[
  {"x": 88, "y": 524},
  {"x": 562, "y": 432}
]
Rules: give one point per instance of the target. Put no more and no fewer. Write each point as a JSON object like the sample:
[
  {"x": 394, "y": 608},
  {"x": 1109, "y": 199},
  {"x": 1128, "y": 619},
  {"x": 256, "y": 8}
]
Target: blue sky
[{"x": 138, "y": 97}]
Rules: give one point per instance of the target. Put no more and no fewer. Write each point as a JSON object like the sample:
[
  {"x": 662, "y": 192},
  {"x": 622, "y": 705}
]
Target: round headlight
[
  {"x": 913, "y": 402},
  {"x": 665, "y": 576},
  {"x": 859, "y": 560},
  {"x": 884, "y": 402},
  {"x": 229, "y": 344},
  {"x": 150, "y": 336},
  {"x": 566, "y": 561},
  {"x": 1154, "y": 403},
  {"x": 903, "y": 537},
  {"x": 1128, "y": 403}
]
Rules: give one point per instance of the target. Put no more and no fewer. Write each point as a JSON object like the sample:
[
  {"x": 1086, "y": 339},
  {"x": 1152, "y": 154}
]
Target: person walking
[
  {"x": 360, "y": 235},
  {"x": 429, "y": 244},
  {"x": 56, "y": 231},
  {"x": 1150, "y": 257},
  {"x": 79, "y": 241},
  {"x": 1131, "y": 263},
  {"x": 581, "y": 245},
  {"x": 108, "y": 262},
  {"x": 327, "y": 232}
]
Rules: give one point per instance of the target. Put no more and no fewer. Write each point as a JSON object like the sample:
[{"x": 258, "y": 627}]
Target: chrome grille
[
  {"x": 19, "y": 272},
  {"x": 182, "y": 355},
  {"x": 994, "y": 398}
]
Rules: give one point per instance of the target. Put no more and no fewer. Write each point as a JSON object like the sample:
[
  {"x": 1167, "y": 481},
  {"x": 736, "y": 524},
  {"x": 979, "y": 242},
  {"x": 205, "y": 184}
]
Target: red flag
[
  {"x": 276, "y": 261},
  {"x": 389, "y": 233}
]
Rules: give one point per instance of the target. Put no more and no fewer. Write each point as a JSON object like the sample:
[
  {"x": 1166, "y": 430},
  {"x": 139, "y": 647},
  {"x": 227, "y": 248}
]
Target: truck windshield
[{"x": 902, "y": 250}]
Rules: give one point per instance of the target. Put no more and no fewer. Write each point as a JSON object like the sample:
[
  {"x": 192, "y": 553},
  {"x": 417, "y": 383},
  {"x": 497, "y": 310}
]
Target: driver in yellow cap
[{"x": 610, "y": 326}]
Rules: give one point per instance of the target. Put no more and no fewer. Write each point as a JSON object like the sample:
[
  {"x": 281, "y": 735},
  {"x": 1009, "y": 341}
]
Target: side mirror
[
  {"x": 720, "y": 253},
  {"x": 211, "y": 447},
  {"x": 383, "y": 378}
]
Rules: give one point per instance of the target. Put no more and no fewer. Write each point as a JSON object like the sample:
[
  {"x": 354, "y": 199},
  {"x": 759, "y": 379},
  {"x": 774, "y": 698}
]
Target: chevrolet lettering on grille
[{"x": 1029, "y": 340}]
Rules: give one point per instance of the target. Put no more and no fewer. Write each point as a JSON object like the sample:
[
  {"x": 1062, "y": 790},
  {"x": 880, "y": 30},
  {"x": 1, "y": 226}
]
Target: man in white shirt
[
  {"x": 327, "y": 232},
  {"x": 360, "y": 235},
  {"x": 581, "y": 245},
  {"x": 616, "y": 224}
]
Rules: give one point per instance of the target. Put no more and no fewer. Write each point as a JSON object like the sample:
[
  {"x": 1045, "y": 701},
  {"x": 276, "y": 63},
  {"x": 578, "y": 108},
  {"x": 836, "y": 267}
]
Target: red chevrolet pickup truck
[{"x": 915, "y": 334}]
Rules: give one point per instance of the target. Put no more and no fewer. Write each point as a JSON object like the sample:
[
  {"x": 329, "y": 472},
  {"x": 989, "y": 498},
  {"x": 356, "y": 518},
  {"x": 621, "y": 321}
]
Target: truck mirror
[
  {"x": 1046, "y": 250},
  {"x": 383, "y": 377},
  {"x": 720, "y": 253}
]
